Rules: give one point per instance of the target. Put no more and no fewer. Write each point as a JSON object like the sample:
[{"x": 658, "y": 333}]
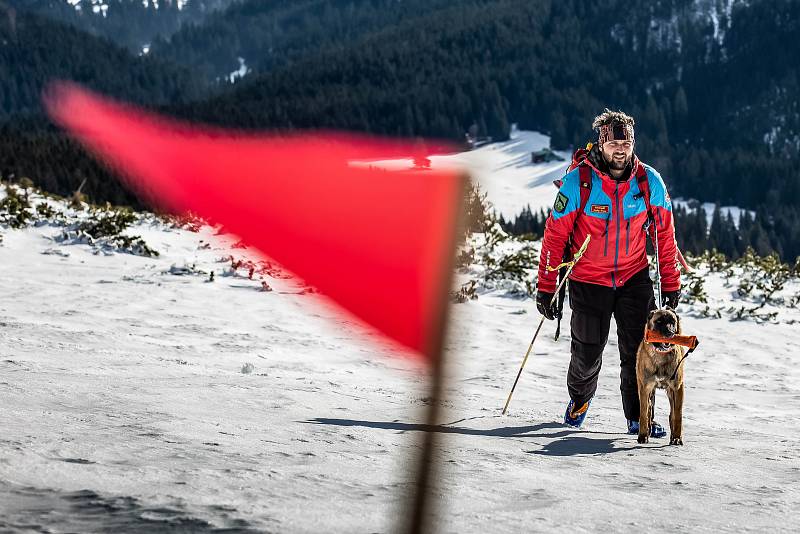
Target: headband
[{"x": 616, "y": 131}]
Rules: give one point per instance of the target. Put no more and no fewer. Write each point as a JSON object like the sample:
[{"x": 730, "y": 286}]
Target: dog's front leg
[
  {"x": 645, "y": 391},
  {"x": 676, "y": 415}
]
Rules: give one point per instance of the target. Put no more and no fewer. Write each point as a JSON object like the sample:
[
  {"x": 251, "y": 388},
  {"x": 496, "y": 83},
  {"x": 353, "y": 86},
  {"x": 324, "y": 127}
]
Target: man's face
[{"x": 617, "y": 154}]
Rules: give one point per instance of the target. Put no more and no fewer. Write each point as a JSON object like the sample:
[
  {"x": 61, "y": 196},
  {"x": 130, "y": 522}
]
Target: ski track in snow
[{"x": 126, "y": 407}]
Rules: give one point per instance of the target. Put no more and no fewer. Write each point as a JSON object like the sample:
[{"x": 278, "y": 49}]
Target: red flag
[{"x": 379, "y": 243}]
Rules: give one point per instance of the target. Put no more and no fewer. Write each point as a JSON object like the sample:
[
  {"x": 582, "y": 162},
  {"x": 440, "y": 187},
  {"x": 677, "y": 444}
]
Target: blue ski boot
[
  {"x": 575, "y": 415},
  {"x": 656, "y": 430}
]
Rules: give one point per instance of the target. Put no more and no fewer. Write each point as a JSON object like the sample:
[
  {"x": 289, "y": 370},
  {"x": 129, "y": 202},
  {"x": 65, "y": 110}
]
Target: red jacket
[{"x": 615, "y": 215}]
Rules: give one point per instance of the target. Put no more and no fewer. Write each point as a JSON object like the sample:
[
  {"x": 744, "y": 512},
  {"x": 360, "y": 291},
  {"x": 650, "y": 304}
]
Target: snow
[
  {"x": 135, "y": 400},
  {"x": 713, "y": 10},
  {"x": 692, "y": 205},
  {"x": 504, "y": 171},
  {"x": 664, "y": 34},
  {"x": 102, "y": 5},
  {"x": 239, "y": 73},
  {"x": 97, "y": 6}
]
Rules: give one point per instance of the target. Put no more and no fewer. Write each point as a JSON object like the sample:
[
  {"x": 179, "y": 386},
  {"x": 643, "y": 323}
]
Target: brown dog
[{"x": 656, "y": 364}]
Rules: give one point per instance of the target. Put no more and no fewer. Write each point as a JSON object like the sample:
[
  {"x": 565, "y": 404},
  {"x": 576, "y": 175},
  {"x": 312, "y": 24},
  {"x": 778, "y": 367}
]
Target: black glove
[
  {"x": 544, "y": 303},
  {"x": 671, "y": 299}
]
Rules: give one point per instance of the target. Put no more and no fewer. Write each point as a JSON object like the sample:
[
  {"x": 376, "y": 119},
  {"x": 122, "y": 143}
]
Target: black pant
[{"x": 592, "y": 307}]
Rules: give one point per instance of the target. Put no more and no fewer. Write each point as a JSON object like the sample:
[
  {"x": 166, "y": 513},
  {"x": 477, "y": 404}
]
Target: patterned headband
[{"x": 616, "y": 131}]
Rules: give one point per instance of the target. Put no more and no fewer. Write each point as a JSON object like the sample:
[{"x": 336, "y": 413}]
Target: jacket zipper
[
  {"x": 627, "y": 232},
  {"x": 616, "y": 248},
  {"x": 605, "y": 234}
]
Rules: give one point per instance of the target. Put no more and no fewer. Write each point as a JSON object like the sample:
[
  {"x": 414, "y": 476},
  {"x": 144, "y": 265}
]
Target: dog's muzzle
[
  {"x": 660, "y": 338},
  {"x": 663, "y": 347}
]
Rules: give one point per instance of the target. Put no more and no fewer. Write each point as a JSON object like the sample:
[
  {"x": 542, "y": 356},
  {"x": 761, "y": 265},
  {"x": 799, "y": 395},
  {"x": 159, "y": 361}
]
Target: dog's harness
[
  {"x": 690, "y": 342},
  {"x": 675, "y": 373}
]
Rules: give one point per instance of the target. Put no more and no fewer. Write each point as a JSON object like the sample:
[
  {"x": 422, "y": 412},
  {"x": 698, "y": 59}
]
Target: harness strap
[{"x": 691, "y": 350}]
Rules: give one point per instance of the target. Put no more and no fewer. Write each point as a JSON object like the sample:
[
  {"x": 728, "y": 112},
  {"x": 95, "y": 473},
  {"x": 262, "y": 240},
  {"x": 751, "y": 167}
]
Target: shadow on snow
[{"x": 565, "y": 441}]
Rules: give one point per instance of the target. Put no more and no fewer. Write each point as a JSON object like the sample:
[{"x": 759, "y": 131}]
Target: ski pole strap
[
  {"x": 574, "y": 260},
  {"x": 562, "y": 293},
  {"x": 562, "y": 265}
]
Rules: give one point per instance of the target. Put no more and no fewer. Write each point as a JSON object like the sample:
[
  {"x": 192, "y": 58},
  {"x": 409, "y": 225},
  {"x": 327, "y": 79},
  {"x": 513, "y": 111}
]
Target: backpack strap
[
  {"x": 644, "y": 190},
  {"x": 585, "y": 178},
  {"x": 585, "y": 175}
]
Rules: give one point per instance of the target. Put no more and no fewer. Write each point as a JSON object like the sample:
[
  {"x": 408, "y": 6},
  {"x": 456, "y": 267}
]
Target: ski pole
[
  {"x": 570, "y": 264},
  {"x": 658, "y": 265}
]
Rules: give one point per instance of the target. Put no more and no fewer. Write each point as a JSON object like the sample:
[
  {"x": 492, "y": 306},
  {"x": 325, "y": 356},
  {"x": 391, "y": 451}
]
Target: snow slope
[
  {"x": 504, "y": 171},
  {"x": 138, "y": 400}
]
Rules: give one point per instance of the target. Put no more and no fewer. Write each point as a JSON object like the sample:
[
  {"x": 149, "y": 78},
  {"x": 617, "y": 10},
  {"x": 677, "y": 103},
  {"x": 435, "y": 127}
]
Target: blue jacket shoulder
[
  {"x": 659, "y": 196},
  {"x": 569, "y": 195}
]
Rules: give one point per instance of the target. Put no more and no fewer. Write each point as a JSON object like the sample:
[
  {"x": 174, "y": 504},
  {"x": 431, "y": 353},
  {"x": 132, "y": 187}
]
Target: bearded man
[{"x": 612, "y": 196}]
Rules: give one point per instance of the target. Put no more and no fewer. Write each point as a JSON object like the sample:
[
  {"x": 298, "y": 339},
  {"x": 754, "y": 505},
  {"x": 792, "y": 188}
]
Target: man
[{"x": 616, "y": 192}]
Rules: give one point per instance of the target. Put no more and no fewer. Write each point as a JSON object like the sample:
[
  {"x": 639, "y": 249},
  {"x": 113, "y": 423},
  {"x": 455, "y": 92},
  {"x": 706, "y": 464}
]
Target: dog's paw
[
  {"x": 643, "y": 438},
  {"x": 676, "y": 441}
]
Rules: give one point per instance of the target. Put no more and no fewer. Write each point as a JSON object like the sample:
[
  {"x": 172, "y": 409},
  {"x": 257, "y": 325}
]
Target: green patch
[{"x": 561, "y": 202}]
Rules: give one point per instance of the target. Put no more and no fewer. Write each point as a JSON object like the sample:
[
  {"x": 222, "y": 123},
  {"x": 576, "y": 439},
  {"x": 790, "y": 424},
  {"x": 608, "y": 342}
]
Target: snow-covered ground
[
  {"x": 504, "y": 171},
  {"x": 138, "y": 400}
]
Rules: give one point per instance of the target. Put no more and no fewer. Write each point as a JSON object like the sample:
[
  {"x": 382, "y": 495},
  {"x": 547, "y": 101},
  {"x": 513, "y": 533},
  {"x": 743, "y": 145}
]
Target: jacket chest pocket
[{"x": 633, "y": 205}]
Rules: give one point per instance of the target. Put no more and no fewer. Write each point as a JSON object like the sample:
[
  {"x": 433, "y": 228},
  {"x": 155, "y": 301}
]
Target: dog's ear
[{"x": 678, "y": 321}]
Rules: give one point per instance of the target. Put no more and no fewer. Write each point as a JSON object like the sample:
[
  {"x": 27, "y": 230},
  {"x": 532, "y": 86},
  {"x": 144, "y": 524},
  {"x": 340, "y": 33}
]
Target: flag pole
[{"x": 421, "y": 505}]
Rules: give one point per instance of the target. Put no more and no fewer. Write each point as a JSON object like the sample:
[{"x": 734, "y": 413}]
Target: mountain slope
[
  {"x": 35, "y": 50},
  {"x": 132, "y": 24},
  {"x": 267, "y": 34},
  {"x": 711, "y": 83},
  {"x": 551, "y": 67}
]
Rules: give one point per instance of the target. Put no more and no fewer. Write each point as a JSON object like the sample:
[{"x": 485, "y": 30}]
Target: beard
[{"x": 617, "y": 164}]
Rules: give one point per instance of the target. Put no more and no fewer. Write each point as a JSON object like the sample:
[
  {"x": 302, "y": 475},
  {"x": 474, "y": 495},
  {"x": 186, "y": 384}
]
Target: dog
[{"x": 657, "y": 366}]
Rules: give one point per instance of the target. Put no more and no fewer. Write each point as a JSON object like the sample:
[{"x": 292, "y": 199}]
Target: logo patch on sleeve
[
  {"x": 561, "y": 202},
  {"x": 599, "y": 208}
]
